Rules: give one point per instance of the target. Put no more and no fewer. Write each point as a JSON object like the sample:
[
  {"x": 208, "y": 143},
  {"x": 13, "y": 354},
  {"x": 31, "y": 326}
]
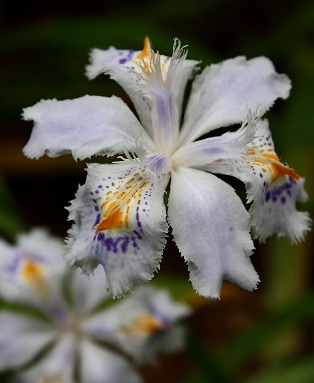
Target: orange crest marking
[
  {"x": 145, "y": 324},
  {"x": 113, "y": 220},
  {"x": 33, "y": 273},
  {"x": 267, "y": 160},
  {"x": 118, "y": 202},
  {"x": 146, "y": 52}
]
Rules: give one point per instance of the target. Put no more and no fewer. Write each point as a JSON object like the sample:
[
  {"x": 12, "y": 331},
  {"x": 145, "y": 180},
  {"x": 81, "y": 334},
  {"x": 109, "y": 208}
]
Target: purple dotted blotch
[
  {"x": 276, "y": 193},
  {"x": 127, "y": 58}
]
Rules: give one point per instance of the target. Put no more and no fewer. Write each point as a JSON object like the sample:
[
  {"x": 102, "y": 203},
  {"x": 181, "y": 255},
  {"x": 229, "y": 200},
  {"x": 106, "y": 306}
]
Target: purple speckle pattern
[
  {"x": 279, "y": 194},
  {"x": 126, "y": 239},
  {"x": 127, "y": 56},
  {"x": 129, "y": 244},
  {"x": 258, "y": 158},
  {"x": 115, "y": 245}
]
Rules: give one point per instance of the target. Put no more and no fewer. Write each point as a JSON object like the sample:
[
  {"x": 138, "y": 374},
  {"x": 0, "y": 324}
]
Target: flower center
[{"x": 145, "y": 324}]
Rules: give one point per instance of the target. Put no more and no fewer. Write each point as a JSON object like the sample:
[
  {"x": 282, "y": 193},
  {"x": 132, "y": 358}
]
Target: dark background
[{"x": 265, "y": 336}]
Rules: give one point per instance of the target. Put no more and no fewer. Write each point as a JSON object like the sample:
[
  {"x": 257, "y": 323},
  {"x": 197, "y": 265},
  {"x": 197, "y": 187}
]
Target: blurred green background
[{"x": 265, "y": 336}]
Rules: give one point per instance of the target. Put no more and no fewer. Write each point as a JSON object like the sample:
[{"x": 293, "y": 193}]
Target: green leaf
[
  {"x": 296, "y": 372},
  {"x": 209, "y": 368}
]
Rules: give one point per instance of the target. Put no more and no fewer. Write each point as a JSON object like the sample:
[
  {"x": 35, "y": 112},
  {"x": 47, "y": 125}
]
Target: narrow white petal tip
[{"x": 246, "y": 277}]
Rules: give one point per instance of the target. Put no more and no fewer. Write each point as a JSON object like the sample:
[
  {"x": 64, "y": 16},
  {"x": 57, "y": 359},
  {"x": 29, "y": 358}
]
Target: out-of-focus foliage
[{"x": 265, "y": 336}]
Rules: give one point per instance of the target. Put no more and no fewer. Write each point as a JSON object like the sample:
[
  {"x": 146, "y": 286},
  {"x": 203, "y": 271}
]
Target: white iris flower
[
  {"x": 73, "y": 342},
  {"x": 119, "y": 214}
]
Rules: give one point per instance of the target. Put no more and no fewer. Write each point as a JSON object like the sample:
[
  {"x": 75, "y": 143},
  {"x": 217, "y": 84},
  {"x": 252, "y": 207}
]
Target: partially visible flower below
[
  {"x": 119, "y": 214},
  {"x": 73, "y": 342}
]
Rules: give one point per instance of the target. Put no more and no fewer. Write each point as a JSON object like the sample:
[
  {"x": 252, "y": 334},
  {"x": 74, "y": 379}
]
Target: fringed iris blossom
[
  {"x": 119, "y": 214},
  {"x": 66, "y": 340}
]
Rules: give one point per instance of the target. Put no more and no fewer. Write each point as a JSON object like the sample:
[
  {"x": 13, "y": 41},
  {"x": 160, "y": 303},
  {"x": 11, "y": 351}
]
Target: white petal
[
  {"x": 120, "y": 221},
  {"x": 57, "y": 366},
  {"x": 227, "y": 146},
  {"x": 109, "y": 58},
  {"x": 273, "y": 188},
  {"x": 142, "y": 325},
  {"x": 97, "y": 365},
  {"x": 158, "y": 106},
  {"x": 275, "y": 212},
  {"x": 211, "y": 228},
  {"x": 31, "y": 270},
  {"x": 88, "y": 291},
  {"x": 84, "y": 126},
  {"x": 21, "y": 338},
  {"x": 224, "y": 92}
]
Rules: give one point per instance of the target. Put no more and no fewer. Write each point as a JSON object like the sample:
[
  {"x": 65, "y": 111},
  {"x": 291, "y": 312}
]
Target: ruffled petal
[
  {"x": 211, "y": 228},
  {"x": 155, "y": 84},
  {"x": 227, "y": 146},
  {"x": 98, "y": 365},
  {"x": 142, "y": 325},
  {"x": 120, "y": 222},
  {"x": 84, "y": 126},
  {"x": 56, "y": 366},
  {"x": 21, "y": 338},
  {"x": 31, "y": 270},
  {"x": 273, "y": 187},
  {"x": 275, "y": 212},
  {"x": 88, "y": 292},
  {"x": 222, "y": 94}
]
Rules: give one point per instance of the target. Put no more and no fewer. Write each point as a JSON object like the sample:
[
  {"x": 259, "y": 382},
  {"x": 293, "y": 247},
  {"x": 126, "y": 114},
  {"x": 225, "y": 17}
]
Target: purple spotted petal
[{"x": 120, "y": 223}]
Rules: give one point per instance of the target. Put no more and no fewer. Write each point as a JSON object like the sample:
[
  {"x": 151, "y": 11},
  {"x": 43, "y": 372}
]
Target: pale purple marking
[
  {"x": 163, "y": 112},
  {"x": 213, "y": 150},
  {"x": 14, "y": 265},
  {"x": 156, "y": 164},
  {"x": 159, "y": 315},
  {"x": 58, "y": 311}
]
